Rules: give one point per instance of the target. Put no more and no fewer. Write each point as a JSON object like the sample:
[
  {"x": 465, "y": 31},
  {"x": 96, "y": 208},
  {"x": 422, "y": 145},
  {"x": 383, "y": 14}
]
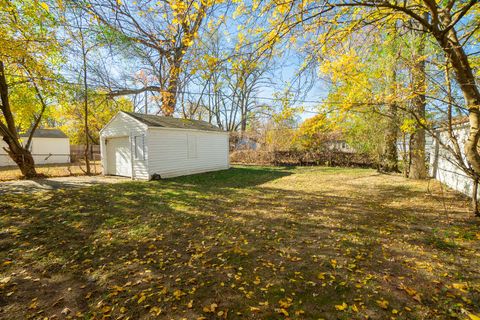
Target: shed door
[{"x": 119, "y": 157}]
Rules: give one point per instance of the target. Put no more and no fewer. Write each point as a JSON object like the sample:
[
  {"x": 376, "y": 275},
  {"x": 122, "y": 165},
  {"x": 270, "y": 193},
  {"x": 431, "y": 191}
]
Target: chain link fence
[{"x": 56, "y": 165}]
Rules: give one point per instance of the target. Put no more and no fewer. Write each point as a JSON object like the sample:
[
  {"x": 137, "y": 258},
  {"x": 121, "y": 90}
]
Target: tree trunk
[
  {"x": 406, "y": 155},
  {"x": 24, "y": 160},
  {"x": 466, "y": 81},
  {"x": 390, "y": 154},
  {"x": 389, "y": 161},
  {"x": 85, "y": 109},
  {"x": 169, "y": 96},
  {"x": 19, "y": 154},
  {"x": 418, "y": 169},
  {"x": 475, "y": 198}
]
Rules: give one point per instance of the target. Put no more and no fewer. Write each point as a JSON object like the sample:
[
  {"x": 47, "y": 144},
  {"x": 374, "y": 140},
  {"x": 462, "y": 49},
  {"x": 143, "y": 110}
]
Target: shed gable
[{"x": 123, "y": 125}]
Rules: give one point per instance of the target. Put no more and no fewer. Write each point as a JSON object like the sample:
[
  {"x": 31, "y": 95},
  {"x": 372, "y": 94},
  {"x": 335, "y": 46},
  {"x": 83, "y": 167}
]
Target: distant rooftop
[
  {"x": 45, "y": 133},
  {"x": 169, "y": 122}
]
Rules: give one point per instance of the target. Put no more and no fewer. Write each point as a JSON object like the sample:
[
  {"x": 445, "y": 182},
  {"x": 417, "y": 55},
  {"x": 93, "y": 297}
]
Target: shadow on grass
[
  {"x": 36, "y": 185},
  {"x": 235, "y": 177},
  {"x": 232, "y": 239}
]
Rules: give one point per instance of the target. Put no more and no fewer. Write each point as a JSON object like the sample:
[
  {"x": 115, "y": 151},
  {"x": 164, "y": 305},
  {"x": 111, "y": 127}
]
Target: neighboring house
[
  {"x": 335, "y": 141},
  {"x": 442, "y": 165},
  {"x": 244, "y": 141},
  {"x": 403, "y": 147},
  {"x": 48, "y": 146},
  {"x": 144, "y": 146},
  {"x": 339, "y": 145}
]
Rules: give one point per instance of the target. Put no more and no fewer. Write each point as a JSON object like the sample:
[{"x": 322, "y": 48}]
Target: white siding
[
  {"x": 5, "y": 159},
  {"x": 51, "y": 150},
  {"x": 443, "y": 166},
  {"x": 123, "y": 125},
  {"x": 176, "y": 152},
  {"x": 44, "y": 151}
]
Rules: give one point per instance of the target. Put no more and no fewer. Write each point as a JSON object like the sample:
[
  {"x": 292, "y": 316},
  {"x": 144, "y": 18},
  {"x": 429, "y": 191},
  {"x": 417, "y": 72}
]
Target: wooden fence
[{"x": 77, "y": 152}]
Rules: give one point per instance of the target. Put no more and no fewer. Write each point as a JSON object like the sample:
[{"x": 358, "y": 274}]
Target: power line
[{"x": 324, "y": 102}]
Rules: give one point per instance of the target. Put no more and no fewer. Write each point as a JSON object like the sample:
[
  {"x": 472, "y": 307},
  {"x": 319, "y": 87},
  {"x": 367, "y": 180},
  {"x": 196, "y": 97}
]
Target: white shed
[
  {"x": 143, "y": 146},
  {"x": 48, "y": 146}
]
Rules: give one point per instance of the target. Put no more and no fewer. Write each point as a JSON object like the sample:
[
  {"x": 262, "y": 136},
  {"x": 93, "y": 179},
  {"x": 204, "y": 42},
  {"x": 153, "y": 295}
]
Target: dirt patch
[
  {"x": 51, "y": 170},
  {"x": 49, "y": 184}
]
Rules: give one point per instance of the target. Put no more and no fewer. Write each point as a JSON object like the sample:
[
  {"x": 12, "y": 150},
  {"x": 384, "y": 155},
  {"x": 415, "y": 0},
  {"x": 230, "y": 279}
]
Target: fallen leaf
[
  {"x": 5, "y": 280},
  {"x": 283, "y": 311},
  {"x": 211, "y": 308},
  {"x": 341, "y": 307},
  {"x": 382, "y": 303}
]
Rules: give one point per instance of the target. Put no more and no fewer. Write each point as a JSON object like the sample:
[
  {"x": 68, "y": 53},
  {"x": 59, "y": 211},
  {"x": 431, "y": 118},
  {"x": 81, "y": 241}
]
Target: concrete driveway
[{"x": 39, "y": 185}]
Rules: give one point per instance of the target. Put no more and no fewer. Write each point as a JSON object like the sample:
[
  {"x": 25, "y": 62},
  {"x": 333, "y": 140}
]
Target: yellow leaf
[
  {"x": 33, "y": 305},
  {"x": 333, "y": 262},
  {"x": 5, "y": 280},
  {"x": 156, "y": 311},
  {"x": 472, "y": 316},
  {"x": 283, "y": 311},
  {"x": 142, "y": 298},
  {"x": 285, "y": 303},
  {"x": 190, "y": 304},
  {"x": 382, "y": 303},
  {"x": 45, "y": 6},
  {"x": 460, "y": 286},
  {"x": 178, "y": 293},
  {"x": 341, "y": 307},
  {"x": 211, "y": 308},
  {"x": 354, "y": 308}
]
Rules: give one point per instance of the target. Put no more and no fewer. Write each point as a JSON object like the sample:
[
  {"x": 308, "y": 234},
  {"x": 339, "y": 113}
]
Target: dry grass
[
  {"x": 247, "y": 243},
  {"x": 51, "y": 170}
]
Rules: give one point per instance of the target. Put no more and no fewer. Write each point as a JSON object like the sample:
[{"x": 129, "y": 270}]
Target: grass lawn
[{"x": 247, "y": 243}]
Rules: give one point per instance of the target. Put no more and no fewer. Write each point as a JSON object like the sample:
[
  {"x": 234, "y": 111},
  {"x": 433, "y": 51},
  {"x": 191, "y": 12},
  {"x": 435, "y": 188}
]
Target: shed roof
[
  {"x": 169, "y": 122},
  {"x": 45, "y": 133}
]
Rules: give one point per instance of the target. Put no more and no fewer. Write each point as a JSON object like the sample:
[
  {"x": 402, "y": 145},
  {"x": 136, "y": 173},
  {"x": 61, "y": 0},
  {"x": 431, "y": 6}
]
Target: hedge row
[{"x": 301, "y": 158}]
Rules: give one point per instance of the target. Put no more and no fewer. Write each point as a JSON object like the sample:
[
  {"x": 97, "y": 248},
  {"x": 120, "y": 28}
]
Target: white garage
[
  {"x": 143, "y": 146},
  {"x": 48, "y": 146}
]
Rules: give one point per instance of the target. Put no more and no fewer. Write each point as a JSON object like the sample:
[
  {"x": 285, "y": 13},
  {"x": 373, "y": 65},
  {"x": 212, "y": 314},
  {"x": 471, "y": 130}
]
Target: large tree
[
  {"x": 28, "y": 48},
  {"x": 452, "y": 25},
  {"x": 156, "y": 35},
  {"x": 227, "y": 81}
]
